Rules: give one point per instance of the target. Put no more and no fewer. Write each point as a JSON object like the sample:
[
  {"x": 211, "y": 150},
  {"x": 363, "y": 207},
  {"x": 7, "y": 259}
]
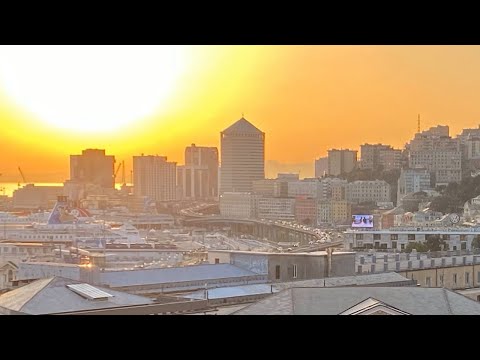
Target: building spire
[{"x": 243, "y": 115}]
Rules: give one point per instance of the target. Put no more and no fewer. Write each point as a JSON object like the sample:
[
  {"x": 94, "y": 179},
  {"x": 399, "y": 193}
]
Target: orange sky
[{"x": 306, "y": 98}]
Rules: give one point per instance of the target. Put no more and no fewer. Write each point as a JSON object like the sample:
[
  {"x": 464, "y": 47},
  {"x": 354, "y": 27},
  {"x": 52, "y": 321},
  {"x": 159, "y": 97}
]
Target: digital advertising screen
[{"x": 362, "y": 221}]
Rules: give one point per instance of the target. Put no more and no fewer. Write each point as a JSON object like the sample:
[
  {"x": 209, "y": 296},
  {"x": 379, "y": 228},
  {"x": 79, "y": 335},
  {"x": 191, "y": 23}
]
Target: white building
[
  {"x": 368, "y": 191},
  {"x": 242, "y": 157},
  {"x": 154, "y": 177},
  {"x": 398, "y": 238},
  {"x": 238, "y": 205},
  {"x": 276, "y": 208},
  {"x": 412, "y": 181}
]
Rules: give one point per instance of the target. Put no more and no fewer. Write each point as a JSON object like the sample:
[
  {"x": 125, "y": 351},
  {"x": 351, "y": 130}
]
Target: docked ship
[{"x": 75, "y": 226}]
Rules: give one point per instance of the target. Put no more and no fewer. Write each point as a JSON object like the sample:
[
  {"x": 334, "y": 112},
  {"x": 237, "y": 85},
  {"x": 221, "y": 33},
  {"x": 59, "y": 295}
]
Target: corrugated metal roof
[
  {"x": 233, "y": 291},
  {"x": 172, "y": 275}
]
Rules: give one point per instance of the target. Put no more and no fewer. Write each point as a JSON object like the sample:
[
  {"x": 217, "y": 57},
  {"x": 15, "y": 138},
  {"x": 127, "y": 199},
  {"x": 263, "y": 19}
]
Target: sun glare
[{"x": 90, "y": 88}]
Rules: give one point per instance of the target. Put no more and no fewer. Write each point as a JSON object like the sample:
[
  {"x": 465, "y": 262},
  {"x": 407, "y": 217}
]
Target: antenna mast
[{"x": 418, "y": 129}]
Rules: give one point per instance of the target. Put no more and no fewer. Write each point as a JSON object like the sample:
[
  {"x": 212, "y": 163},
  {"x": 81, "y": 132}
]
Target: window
[
  {"x": 411, "y": 237},
  {"x": 463, "y": 246},
  {"x": 294, "y": 271},
  {"x": 377, "y": 244},
  {"x": 358, "y": 236},
  {"x": 394, "y": 237},
  {"x": 402, "y": 246},
  {"x": 428, "y": 282},
  {"x": 446, "y": 237},
  {"x": 441, "y": 280},
  {"x": 455, "y": 279},
  {"x": 277, "y": 272},
  {"x": 467, "y": 278},
  {"x": 454, "y": 248},
  {"x": 217, "y": 261},
  {"x": 463, "y": 237},
  {"x": 376, "y": 236},
  {"x": 394, "y": 244}
]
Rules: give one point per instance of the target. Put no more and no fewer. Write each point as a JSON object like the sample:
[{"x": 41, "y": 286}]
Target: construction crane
[
  {"x": 23, "y": 176},
  {"x": 123, "y": 173},
  {"x": 116, "y": 172}
]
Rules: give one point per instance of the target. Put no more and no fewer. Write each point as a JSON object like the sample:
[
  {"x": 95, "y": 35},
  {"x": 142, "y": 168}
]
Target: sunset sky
[{"x": 56, "y": 101}]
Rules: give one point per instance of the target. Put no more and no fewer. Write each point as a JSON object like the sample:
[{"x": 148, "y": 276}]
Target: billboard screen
[{"x": 362, "y": 221}]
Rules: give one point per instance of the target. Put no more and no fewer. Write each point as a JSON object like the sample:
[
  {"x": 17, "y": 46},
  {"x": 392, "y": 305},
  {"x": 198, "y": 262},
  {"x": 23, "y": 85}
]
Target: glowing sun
[{"x": 90, "y": 88}]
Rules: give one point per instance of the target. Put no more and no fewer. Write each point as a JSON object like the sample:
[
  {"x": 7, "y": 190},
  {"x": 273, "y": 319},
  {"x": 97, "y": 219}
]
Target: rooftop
[
  {"x": 172, "y": 275},
  {"x": 54, "y": 295},
  {"x": 334, "y": 301},
  {"x": 242, "y": 126}
]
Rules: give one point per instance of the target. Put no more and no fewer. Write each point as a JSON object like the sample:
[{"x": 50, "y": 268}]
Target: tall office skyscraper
[
  {"x": 198, "y": 178},
  {"x": 154, "y": 177},
  {"x": 93, "y": 167},
  {"x": 242, "y": 157}
]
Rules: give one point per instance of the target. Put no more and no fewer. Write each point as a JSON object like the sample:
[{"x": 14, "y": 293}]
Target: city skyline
[{"x": 326, "y": 89}]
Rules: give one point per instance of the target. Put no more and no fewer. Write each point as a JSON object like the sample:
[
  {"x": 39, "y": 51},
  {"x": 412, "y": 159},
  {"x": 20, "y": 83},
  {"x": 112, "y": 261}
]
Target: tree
[
  {"x": 476, "y": 242},
  {"x": 417, "y": 246},
  {"x": 435, "y": 243}
]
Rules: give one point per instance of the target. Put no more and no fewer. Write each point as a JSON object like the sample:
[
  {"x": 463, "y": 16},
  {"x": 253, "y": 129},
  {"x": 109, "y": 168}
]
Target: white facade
[
  {"x": 275, "y": 208},
  {"x": 242, "y": 157},
  {"x": 238, "y": 205},
  {"x": 455, "y": 238},
  {"x": 412, "y": 181},
  {"x": 154, "y": 177},
  {"x": 366, "y": 191}
]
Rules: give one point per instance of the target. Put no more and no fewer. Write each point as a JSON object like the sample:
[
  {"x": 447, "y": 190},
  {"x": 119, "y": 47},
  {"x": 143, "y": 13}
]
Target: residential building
[
  {"x": 265, "y": 187},
  {"x": 238, "y": 205},
  {"x": 242, "y": 157},
  {"x": 412, "y": 181},
  {"x": 154, "y": 177},
  {"x": 380, "y": 157},
  {"x": 93, "y": 167},
  {"x": 304, "y": 187},
  {"x": 341, "y": 161},
  {"x": 324, "y": 212},
  {"x": 368, "y": 191},
  {"x": 338, "y": 189},
  {"x": 341, "y": 212},
  {"x": 306, "y": 210},
  {"x": 198, "y": 178},
  {"x": 436, "y": 151},
  {"x": 321, "y": 167},
  {"x": 275, "y": 208}
]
